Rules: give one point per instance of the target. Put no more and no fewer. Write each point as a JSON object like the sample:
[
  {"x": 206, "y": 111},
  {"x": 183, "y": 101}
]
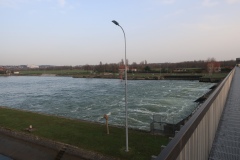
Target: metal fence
[
  {"x": 159, "y": 126},
  {"x": 176, "y": 122},
  {"x": 195, "y": 138}
]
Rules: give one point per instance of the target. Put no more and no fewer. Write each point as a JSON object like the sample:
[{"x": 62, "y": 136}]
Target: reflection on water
[{"x": 90, "y": 99}]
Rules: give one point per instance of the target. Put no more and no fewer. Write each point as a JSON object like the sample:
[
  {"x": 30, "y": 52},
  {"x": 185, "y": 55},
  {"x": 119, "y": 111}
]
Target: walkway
[
  {"x": 22, "y": 146},
  {"x": 226, "y": 145},
  {"x": 22, "y": 150}
]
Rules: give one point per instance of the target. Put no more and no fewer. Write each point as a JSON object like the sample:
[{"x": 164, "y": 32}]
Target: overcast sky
[{"x": 79, "y": 32}]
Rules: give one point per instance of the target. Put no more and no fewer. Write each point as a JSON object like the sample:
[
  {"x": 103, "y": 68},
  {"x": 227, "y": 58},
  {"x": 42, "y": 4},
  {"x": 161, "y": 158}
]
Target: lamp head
[{"x": 115, "y": 22}]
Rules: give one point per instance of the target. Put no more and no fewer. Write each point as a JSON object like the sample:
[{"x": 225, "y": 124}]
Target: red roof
[
  {"x": 122, "y": 67},
  {"x": 2, "y": 69},
  {"x": 214, "y": 64}
]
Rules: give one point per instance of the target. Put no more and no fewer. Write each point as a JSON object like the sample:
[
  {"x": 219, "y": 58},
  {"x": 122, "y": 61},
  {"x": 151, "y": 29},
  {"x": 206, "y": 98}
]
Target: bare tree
[{"x": 211, "y": 65}]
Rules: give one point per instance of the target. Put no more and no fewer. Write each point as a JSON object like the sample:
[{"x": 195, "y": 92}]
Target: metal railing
[{"x": 195, "y": 139}]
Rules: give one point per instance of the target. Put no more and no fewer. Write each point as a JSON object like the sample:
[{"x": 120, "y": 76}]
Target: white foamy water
[{"x": 90, "y": 99}]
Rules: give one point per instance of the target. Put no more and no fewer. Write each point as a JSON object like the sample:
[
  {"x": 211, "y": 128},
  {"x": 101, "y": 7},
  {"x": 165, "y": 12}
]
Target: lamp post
[{"x": 126, "y": 112}]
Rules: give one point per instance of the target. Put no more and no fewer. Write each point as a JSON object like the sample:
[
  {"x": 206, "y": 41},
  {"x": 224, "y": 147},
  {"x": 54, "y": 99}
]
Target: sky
[{"x": 80, "y": 32}]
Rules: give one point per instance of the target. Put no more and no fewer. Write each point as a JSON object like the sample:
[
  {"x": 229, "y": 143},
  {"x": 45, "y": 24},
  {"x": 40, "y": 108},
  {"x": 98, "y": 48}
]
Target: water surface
[{"x": 90, "y": 99}]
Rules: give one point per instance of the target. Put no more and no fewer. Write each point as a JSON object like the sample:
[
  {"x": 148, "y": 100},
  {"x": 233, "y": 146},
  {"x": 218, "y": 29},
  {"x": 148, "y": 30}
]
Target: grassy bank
[
  {"x": 216, "y": 75},
  {"x": 85, "y": 135},
  {"x": 76, "y": 73},
  {"x": 57, "y": 72}
]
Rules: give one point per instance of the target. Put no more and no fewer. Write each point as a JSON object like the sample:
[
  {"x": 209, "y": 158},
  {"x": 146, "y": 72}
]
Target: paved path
[
  {"x": 226, "y": 145},
  {"x": 18, "y": 149},
  {"x": 22, "y": 146},
  {"x": 22, "y": 150}
]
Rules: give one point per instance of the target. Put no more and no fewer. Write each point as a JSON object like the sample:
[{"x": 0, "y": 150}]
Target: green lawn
[
  {"x": 90, "y": 136},
  {"x": 216, "y": 75},
  {"x": 87, "y": 74},
  {"x": 58, "y": 72}
]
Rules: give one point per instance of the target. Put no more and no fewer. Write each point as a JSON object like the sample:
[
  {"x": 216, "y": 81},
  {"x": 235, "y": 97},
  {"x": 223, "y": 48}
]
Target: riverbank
[
  {"x": 201, "y": 78},
  {"x": 217, "y": 77},
  {"x": 76, "y": 73},
  {"x": 82, "y": 134}
]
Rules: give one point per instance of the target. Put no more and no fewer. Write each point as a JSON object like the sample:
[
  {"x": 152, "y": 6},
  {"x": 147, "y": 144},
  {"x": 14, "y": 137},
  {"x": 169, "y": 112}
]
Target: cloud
[
  {"x": 168, "y": 1},
  {"x": 206, "y": 27},
  {"x": 232, "y": 1},
  {"x": 62, "y": 3},
  {"x": 176, "y": 13},
  {"x": 10, "y": 3},
  {"x": 18, "y": 3},
  {"x": 209, "y": 3}
]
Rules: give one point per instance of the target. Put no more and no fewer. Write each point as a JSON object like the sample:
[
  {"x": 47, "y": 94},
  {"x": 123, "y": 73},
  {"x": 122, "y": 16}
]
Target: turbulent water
[{"x": 90, "y": 99}]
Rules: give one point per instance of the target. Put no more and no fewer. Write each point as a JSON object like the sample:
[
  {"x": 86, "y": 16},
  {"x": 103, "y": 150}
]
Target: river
[{"x": 90, "y": 99}]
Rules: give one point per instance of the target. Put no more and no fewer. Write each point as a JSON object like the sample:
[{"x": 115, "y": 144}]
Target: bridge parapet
[{"x": 195, "y": 138}]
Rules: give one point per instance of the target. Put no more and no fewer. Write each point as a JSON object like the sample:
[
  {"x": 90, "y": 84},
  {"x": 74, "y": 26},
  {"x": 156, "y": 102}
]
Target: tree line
[{"x": 143, "y": 66}]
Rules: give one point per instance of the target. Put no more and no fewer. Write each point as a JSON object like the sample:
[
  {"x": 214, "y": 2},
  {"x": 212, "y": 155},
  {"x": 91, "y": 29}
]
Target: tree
[
  {"x": 134, "y": 65},
  {"x": 122, "y": 62},
  {"x": 141, "y": 63},
  {"x": 147, "y": 68},
  {"x": 211, "y": 59},
  {"x": 211, "y": 65}
]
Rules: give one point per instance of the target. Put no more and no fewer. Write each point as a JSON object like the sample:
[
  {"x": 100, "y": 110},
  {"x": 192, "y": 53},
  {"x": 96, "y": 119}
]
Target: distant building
[
  {"x": 32, "y": 66},
  {"x": 3, "y": 70},
  {"x": 238, "y": 62},
  {"x": 213, "y": 67},
  {"x": 121, "y": 70},
  {"x": 107, "y": 74},
  {"x": 133, "y": 69},
  {"x": 179, "y": 70}
]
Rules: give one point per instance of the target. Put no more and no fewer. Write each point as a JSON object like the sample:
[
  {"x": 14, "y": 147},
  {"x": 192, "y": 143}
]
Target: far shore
[{"x": 214, "y": 78}]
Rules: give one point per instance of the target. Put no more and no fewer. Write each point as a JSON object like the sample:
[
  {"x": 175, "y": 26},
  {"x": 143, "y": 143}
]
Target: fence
[
  {"x": 158, "y": 126},
  {"x": 195, "y": 138}
]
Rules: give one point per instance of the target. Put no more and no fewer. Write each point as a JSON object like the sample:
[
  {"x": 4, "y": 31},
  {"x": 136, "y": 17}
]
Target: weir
[
  {"x": 158, "y": 126},
  {"x": 195, "y": 138}
]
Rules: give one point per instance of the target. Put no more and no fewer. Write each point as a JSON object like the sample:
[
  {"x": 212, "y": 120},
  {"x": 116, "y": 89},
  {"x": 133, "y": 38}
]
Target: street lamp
[{"x": 126, "y": 112}]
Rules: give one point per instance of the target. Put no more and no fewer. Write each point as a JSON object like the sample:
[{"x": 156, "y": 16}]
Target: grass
[
  {"x": 58, "y": 72},
  {"x": 216, "y": 75},
  {"x": 84, "y": 73},
  {"x": 90, "y": 136}
]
